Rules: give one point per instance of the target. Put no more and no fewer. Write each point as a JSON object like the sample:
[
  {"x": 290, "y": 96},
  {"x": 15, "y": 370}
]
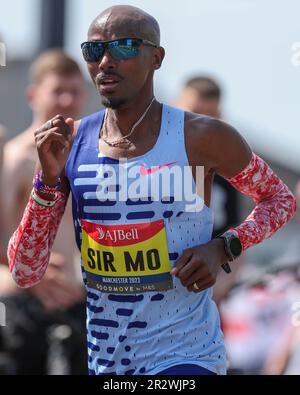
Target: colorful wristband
[
  {"x": 40, "y": 201},
  {"x": 43, "y": 188}
]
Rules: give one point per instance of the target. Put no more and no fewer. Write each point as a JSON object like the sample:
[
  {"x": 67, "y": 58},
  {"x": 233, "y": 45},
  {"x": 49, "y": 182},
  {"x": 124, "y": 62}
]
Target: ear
[{"x": 158, "y": 57}]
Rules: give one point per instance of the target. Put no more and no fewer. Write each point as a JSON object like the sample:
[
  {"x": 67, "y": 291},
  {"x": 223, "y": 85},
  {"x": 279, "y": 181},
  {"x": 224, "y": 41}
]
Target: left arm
[
  {"x": 275, "y": 203},
  {"x": 227, "y": 153}
]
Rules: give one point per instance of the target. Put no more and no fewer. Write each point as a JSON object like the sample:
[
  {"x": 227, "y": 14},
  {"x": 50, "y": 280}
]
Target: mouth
[{"x": 108, "y": 83}]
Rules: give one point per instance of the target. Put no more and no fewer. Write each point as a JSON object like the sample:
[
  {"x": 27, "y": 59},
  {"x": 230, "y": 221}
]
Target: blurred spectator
[
  {"x": 264, "y": 337},
  {"x": 2, "y": 254},
  {"x": 57, "y": 87},
  {"x": 2, "y": 140},
  {"x": 260, "y": 333},
  {"x": 203, "y": 95},
  {"x": 298, "y": 198}
]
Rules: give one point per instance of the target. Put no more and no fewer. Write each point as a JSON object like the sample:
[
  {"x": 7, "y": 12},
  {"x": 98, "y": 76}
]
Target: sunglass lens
[
  {"x": 124, "y": 49},
  {"x": 92, "y": 52}
]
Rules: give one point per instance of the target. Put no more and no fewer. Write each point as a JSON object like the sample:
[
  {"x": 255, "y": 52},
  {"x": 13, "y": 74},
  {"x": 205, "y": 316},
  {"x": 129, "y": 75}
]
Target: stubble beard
[{"x": 113, "y": 103}]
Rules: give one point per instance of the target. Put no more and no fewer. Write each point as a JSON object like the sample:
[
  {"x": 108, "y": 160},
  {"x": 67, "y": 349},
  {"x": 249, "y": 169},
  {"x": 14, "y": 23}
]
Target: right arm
[{"x": 30, "y": 246}]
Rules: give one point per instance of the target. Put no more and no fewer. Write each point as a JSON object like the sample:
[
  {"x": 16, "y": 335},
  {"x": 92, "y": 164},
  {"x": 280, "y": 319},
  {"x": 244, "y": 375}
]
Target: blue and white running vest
[{"x": 140, "y": 320}]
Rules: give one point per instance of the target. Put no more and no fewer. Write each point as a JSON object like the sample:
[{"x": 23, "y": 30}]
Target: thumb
[{"x": 70, "y": 122}]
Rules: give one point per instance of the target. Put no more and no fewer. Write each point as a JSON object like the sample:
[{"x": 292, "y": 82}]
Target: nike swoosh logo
[{"x": 148, "y": 172}]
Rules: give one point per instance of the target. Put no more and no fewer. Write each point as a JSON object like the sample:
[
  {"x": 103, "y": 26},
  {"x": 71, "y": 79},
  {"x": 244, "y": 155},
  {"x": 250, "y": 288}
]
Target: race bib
[{"x": 126, "y": 258}]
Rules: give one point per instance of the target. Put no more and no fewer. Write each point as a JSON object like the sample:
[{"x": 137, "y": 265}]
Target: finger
[
  {"x": 189, "y": 269},
  {"x": 66, "y": 126},
  {"x": 182, "y": 261},
  {"x": 202, "y": 274},
  {"x": 48, "y": 125},
  {"x": 50, "y": 137},
  {"x": 60, "y": 123},
  {"x": 202, "y": 286},
  {"x": 43, "y": 133},
  {"x": 70, "y": 122}
]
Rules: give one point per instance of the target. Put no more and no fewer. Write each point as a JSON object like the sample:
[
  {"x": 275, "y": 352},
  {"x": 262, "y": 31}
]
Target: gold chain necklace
[{"x": 122, "y": 139}]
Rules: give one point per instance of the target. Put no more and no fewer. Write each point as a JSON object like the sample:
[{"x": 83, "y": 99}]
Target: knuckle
[
  {"x": 56, "y": 129},
  {"x": 59, "y": 118}
]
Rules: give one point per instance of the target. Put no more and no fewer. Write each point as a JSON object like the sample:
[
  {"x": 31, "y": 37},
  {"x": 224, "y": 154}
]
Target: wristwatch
[{"x": 233, "y": 248}]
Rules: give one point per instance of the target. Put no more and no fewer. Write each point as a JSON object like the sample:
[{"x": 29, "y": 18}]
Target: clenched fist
[
  {"x": 53, "y": 142},
  {"x": 198, "y": 267}
]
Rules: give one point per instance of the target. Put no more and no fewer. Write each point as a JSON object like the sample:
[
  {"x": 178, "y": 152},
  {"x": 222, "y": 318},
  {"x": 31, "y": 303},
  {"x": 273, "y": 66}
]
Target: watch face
[{"x": 235, "y": 246}]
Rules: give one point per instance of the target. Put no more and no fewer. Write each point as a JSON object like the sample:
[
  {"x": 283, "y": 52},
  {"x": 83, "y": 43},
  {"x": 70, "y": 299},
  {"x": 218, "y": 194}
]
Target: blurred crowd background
[{"x": 232, "y": 60}]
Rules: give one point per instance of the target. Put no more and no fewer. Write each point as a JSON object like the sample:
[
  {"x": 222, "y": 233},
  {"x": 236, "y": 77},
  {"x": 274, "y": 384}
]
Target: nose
[
  {"x": 66, "y": 99},
  {"x": 107, "y": 62}
]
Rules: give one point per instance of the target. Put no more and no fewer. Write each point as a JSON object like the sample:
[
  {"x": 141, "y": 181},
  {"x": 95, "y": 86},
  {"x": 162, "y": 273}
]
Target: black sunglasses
[{"x": 120, "y": 49}]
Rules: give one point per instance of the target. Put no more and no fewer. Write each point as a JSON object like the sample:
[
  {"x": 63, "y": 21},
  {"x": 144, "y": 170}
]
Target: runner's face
[{"x": 121, "y": 81}]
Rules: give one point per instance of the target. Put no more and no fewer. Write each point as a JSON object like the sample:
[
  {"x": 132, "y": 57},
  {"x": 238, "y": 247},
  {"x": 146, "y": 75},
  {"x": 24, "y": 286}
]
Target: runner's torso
[{"x": 140, "y": 320}]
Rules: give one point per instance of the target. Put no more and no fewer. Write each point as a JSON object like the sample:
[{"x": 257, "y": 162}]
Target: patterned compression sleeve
[
  {"x": 275, "y": 203},
  {"x": 30, "y": 246}
]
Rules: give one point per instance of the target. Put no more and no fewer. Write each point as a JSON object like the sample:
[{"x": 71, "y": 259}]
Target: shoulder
[
  {"x": 215, "y": 144},
  {"x": 207, "y": 129},
  {"x": 19, "y": 159},
  {"x": 20, "y": 149}
]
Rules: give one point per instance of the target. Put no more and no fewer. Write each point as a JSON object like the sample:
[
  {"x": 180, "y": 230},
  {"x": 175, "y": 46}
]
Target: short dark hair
[
  {"x": 53, "y": 61},
  {"x": 206, "y": 87}
]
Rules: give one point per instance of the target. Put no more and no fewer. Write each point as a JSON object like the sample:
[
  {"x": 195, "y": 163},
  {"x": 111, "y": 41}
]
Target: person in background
[
  {"x": 57, "y": 87},
  {"x": 298, "y": 198}
]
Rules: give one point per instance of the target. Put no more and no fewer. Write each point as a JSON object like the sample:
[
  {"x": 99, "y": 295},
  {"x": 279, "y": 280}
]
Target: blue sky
[{"x": 246, "y": 44}]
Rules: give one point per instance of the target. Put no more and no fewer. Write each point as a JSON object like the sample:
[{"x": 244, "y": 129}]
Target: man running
[{"x": 147, "y": 255}]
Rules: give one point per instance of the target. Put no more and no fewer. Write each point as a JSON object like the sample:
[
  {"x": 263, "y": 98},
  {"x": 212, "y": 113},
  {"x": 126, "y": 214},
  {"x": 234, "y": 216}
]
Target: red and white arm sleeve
[
  {"x": 275, "y": 203},
  {"x": 30, "y": 246}
]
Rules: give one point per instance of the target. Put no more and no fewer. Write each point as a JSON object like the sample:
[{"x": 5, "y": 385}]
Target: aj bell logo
[
  {"x": 2, "y": 55},
  {"x": 118, "y": 235}
]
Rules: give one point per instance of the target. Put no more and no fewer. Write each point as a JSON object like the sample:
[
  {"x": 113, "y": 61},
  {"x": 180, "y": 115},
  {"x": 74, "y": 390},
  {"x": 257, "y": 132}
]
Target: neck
[{"x": 121, "y": 120}]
